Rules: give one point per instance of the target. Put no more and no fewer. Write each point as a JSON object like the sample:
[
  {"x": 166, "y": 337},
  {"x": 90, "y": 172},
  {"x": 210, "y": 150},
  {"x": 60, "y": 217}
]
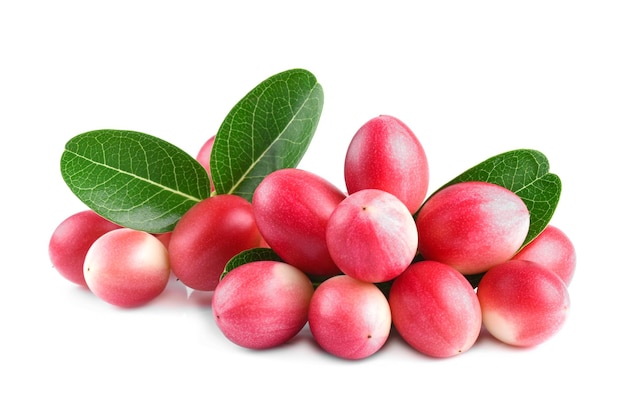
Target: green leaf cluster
[{"x": 142, "y": 182}]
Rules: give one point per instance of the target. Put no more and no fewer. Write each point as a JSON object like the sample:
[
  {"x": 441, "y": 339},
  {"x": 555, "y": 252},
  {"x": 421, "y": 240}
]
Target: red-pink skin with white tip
[
  {"x": 127, "y": 268},
  {"x": 71, "y": 240},
  {"x": 523, "y": 303},
  {"x": 385, "y": 154},
  {"x": 207, "y": 236},
  {"x": 435, "y": 309},
  {"x": 291, "y": 208},
  {"x": 554, "y": 250},
  {"x": 372, "y": 236},
  {"x": 349, "y": 318},
  {"x": 472, "y": 226},
  {"x": 262, "y": 304},
  {"x": 204, "y": 157}
]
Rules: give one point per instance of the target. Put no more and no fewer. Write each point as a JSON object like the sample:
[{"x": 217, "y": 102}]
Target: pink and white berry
[
  {"x": 523, "y": 303},
  {"x": 349, "y": 318},
  {"x": 472, "y": 226},
  {"x": 262, "y": 304},
  {"x": 553, "y": 249},
  {"x": 435, "y": 309},
  {"x": 372, "y": 236},
  {"x": 127, "y": 268}
]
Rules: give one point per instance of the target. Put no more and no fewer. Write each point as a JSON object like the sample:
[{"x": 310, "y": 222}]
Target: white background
[{"x": 471, "y": 79}]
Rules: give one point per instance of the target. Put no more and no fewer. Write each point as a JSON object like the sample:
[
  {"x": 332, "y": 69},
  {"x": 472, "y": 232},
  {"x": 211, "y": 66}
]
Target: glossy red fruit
[
  {"x": 371, "y": 235},
  {"x": 435, "y": 309},
  {"x": 523, "y": 303},
  {"x": 292, "y": 207},
  {"x": 207, "y": 236},
  {"x": 554, "y": 250},
  {"x": 385, "y": 154},
  {"x": 472, "y": 226},
  {"x": 349, "y": 318},
  {"x": 71, "y": 240},
  {"x": 204, "y": 157},
  {"x": 262, "y": 304},
  {"x": 127, "y": 268}
]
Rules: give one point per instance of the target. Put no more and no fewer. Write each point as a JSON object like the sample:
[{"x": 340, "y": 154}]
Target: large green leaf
[
  {"x": 133, "y": 179},
  {"x": 526, "y": 172},
  {"x": 269, "y": 129}
]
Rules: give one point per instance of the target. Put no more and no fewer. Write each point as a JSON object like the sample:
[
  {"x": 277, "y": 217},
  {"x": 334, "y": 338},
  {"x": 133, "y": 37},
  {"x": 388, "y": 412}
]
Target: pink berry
[
  {"x": 522, "y": 302},
  {"x": 127, "y": 268},
  {"x": 292, "y": 207},
  {"x": 371, "y": 236},
  {"x": 262, "y": 304},
  {"x": 204, "y": 157},
  {"x": 349, "y": 318},
  {"x": 435, "y": 309},
  {"x": 71, "y": 240},
  {"x": 385, "y": 154},
  {"x": 554, "y": 250},
  {"x": 207, "y": 236},
  {"x": 472, "y": 226}
]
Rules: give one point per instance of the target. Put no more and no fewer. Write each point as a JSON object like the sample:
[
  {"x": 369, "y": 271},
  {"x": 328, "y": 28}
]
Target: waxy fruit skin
[
  {"x": 71, "y": 240},
  {"x": 385, "y": 154},
  {"x": 127, "y": 268},
  {"x": 371, "y": 236},
  {"x": 204, "y": 157},
  {"x": 472, "y": 226},
  {"x": 349, "y": 318},
  {"x": 262, "y": 304},
  {"x": 207, "y": 236},
  {"x": 554, "y": 250},
  {"x": 435, "y": 309},
  {"x": 292, "y": 207},
  {"x": 522, "y": 302}
]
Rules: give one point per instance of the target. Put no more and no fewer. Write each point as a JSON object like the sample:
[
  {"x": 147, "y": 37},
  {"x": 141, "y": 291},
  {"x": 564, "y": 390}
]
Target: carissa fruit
[
  {"x": 291, "y": 208},
  {"x": 371, "y": 236},
  {"x": 71, "y": 240},
  {"x": 349, "y": 318},
  {"x": 126, "y": 267},
  {"x": 207, "y": 236},
  {"x": 472, "y": 226},
  {"x": 385, "y": 154},
  {"x": 435, "y": 309},
  {"x": 523, "y": 303},
  {"x": 262, "y": 304},
  {"x": 204, "y": 157},
  {"x": 554, "y": 250}
]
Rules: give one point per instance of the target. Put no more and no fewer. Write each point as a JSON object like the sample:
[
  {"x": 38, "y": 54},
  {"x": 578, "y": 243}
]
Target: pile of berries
[{"x": 350, "y": 264}]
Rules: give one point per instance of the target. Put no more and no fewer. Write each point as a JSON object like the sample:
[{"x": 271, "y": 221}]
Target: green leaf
[
  {"x": 269, "y": 129},
  {"x": 525, "y": 172},
  {"x": 248, "y": 256},
  {"x": 133, "y": 179}
]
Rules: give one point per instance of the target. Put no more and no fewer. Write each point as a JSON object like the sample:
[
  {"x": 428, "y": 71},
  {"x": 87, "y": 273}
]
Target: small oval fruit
[
  {"x": 435, "y": 309},
  {"x": 292, "y": 207},
  {"x": 385, "y": 154},
  {"x": 127, "y": 268},
  {"x": 71, "y": 240},
  {"x": 349, "y": 318},
  {"x": 554, "y": 250},
  {"x": 372, "y": 236},
  {"x": 207, "y": 236},
  {"x": 523, "y": 303},
  {"x": 204, "y": 157},
  {"x": 262, "y": 304},
  {"x": 472, "y": 226}
]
